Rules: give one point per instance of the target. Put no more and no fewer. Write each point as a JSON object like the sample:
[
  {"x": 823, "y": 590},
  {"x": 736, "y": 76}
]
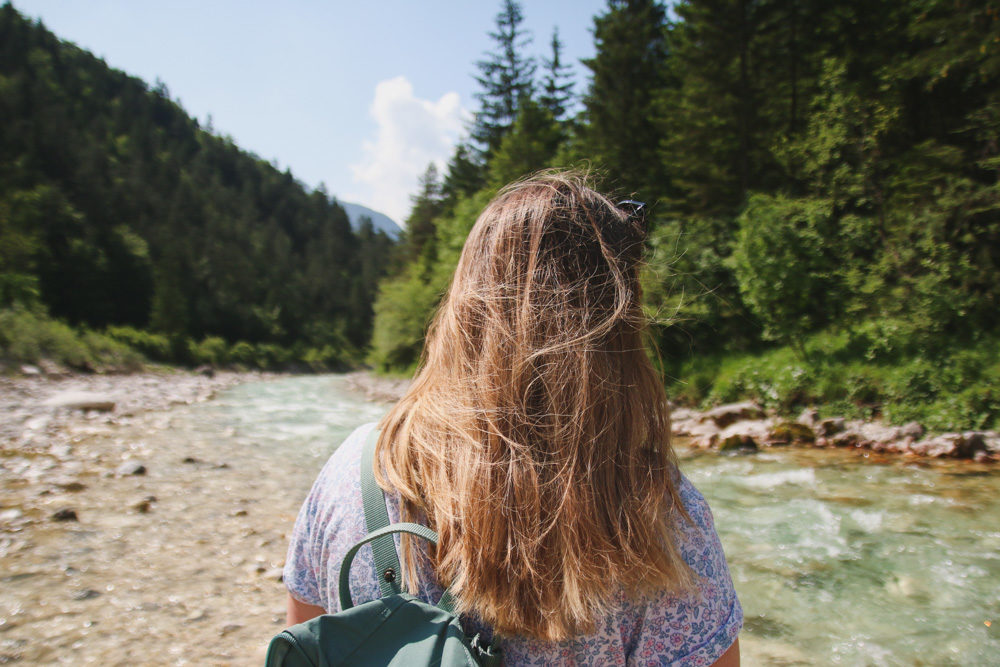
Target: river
[{"x": 837, "y": 560}]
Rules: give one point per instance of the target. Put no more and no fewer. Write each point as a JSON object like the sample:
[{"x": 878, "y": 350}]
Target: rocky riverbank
[
  {"x": 128, "y": 538},
  {"x": 45, "y": 417},
  {"x": 746, "y": 427}
]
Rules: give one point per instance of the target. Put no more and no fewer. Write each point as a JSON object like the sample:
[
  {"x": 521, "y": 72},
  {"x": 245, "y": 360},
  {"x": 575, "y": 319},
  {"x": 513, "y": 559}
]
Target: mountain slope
[
  {"x": 380, "y": 221},
  {"x": 116, "y": 207}
]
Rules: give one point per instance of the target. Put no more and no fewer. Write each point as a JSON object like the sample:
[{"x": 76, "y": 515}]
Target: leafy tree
[{"x": 786, "y": 265}]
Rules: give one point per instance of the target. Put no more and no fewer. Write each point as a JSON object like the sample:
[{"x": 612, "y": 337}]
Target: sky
[{"x": 360, "y": 96}]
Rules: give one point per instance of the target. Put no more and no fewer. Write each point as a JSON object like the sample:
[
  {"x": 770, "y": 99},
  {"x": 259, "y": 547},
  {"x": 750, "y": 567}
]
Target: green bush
[
  {"x": 154, "y": 346},
  {"x": 212, "y": 351},
  {"x": 858, "y": 374},
  {"x": 243, "y": 353},
  {"x": 29, "y": 336}
]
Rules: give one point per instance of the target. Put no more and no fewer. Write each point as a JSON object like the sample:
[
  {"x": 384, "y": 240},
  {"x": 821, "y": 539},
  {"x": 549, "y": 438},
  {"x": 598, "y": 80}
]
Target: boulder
[
  {"x": 951, "y": 445},
  {"x": 756, "y": 429},
  {"x": 704, "y": 435},
  {"x": 724, "y": 415},
  {"x": 832, "y": 426},
  {"x": 683, "y": 414},
  {"x": 809, "y": 417},
  {"x": 879, "y": 432},
  {"x": 787, "y": 433},
  {"x": 737, "y": 442},
  {"x": 81, "y": 400},
  {"x": 911, "y": 430},
  {"x": 845, "y": 439}
]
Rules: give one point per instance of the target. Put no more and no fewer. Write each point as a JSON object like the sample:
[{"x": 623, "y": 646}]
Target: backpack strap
[
  {"x": 344, "y": 583},
  {"x": 383, "y": 546},
  {"x": 376, "y": 518}
]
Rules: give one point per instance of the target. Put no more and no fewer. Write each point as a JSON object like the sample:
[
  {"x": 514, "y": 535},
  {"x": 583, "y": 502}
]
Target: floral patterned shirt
[{"x": 665, "y": 629}]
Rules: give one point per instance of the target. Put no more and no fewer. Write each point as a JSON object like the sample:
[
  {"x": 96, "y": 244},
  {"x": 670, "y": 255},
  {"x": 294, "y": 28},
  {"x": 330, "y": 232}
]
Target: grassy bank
[
  {"x": 32, "y": 337},
  {"x": 866, "y": 373}
]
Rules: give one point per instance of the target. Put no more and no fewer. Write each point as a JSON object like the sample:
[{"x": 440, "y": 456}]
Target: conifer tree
[
  {"x": 506, "y": 79},
  {"x": 627, "y": 73},
  {"x": 557, "y": 82}
]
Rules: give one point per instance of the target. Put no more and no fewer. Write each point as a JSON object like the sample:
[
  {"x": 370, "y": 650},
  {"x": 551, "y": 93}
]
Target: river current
[{"x": 836, "y": 559}]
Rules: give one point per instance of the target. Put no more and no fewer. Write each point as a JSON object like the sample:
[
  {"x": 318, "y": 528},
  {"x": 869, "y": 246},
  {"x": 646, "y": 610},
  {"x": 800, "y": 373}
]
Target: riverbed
[{"x": 837, "y": 560}]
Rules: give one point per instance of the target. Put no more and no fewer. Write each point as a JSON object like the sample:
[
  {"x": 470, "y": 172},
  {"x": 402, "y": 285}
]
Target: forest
[
  {"x": 123, "y": 217},
  {"x": 822, "y": 181},
  {"x": 822, "y": 178}
]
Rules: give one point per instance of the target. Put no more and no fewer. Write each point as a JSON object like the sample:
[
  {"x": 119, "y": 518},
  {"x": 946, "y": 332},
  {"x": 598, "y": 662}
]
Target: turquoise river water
[{"x": 837, "y": 559}]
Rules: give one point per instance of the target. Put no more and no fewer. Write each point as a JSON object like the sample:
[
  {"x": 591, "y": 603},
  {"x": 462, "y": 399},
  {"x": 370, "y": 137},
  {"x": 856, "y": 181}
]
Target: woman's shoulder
[{"x": 342, "y": 470}]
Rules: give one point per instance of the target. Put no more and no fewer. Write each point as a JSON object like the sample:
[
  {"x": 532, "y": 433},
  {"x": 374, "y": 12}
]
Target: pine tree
[
  {"x": 465, "y": 175},
  {"x": 557, "y": 82},
  {"x": 620, "y": 134},
  {"x": 427, "y": 205},
  {"x": 506, "y": 79}
]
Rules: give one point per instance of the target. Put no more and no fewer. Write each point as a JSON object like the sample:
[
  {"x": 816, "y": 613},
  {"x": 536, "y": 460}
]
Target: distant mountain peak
[{"x": 380, "y": 221}]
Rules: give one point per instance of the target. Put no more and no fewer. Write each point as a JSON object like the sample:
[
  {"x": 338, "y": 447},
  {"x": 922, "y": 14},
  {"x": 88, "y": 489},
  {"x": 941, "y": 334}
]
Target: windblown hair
[{"x": 535, "y": 438}]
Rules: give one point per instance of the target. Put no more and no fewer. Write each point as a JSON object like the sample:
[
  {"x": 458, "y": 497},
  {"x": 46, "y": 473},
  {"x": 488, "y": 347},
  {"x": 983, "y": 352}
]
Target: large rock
[
  {"x": 809, "y": 417},
  {"x": 81, "y": 400},
  {"x": 737, "y": 442},
  {"x": 832, "y": 426},
  {"x": 755, "y": 429},
  {"x": 787, "y": 433},
  {"x": 704, "y": 435},
  {"x": 724, "y": 415},
  {"x": 951, "y": 445}
]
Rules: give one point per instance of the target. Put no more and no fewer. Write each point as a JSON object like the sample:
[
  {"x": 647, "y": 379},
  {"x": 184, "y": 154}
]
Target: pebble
[
  {"x": 130, "y": 468},
  {"x": 11, "y": 515},
  {"x": 65, "y": 514},
  {"x": 196, "y": 615},
  {"x": 86, "y": 594},
  {"x": 229, "y": 628}
]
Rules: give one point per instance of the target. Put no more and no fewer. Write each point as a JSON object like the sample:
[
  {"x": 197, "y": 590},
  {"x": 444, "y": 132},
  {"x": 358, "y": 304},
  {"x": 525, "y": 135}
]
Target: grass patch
[{"x": 944, "y": 385}]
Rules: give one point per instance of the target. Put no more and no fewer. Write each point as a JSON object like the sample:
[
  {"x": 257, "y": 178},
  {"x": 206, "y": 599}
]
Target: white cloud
[{"x": 411, "y": 133}]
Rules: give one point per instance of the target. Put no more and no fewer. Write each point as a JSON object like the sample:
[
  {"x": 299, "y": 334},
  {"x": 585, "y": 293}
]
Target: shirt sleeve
[
  {"x": 693, "y": 630},
  {"x": 302, "y": 571},
  {"x": 326, "y": 523}
]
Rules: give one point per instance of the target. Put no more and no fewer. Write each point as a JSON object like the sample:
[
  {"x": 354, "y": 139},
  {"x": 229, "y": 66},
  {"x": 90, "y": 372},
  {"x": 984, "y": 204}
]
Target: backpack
[{"x": 396, "y": 629}]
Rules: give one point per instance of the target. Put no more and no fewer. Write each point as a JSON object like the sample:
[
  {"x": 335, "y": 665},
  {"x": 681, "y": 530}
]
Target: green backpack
[{"x": 397, "y": 629}]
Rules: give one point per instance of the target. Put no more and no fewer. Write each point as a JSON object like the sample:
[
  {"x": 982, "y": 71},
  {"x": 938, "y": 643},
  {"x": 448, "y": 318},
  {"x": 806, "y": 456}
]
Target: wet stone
[
  {"x": 86, "y": 594},
  {"x": 229, "y": 628},
  {"x": 65, "y": 514},
  {"x": 130, "y": 468}
]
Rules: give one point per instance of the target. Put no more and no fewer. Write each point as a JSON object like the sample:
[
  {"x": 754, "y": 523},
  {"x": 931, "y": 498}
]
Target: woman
[{"x": 535, "y": 439}]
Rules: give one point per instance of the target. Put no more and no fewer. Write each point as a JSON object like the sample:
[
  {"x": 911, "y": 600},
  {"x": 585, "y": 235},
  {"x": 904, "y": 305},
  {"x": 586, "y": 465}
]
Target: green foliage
[
  {"x": 951, "y": 386},
  {"x": 152, "y": 345},
  {"x": 506, "y": 78},
  {"x": 529, "y": 147},
  {"x": 620, "y": 134},
  {"x": 786, "y": 264},
  {"x": 118, "y": 209},
  {"x": 402, "y": 313},
  {"x": 28, "y": 336}
]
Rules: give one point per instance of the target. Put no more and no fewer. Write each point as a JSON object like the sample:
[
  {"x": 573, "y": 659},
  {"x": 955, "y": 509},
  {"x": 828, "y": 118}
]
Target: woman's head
[{"x": 535, "y": 437}]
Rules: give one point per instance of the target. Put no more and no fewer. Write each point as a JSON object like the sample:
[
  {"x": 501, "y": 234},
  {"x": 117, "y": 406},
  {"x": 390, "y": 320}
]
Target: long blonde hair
[{"x": 535, "y": 438}]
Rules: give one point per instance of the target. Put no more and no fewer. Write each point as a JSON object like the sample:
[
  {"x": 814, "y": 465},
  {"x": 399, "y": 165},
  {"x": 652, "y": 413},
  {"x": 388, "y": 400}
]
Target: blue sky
[{"x": 358, "y": 95}]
